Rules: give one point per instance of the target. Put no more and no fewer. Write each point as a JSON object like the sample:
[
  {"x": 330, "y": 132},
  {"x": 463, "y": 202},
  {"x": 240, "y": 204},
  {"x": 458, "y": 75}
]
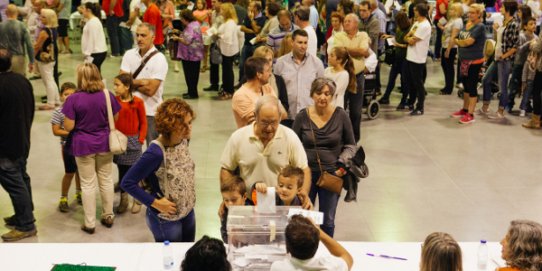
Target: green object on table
[{"x": 81, "y": 267}]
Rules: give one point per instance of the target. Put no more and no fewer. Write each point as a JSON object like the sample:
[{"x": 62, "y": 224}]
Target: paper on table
[
  {"x": 266, "y": 201},
  {"x": 317, "y": 217},
  {"x": 390, "y": 41}
]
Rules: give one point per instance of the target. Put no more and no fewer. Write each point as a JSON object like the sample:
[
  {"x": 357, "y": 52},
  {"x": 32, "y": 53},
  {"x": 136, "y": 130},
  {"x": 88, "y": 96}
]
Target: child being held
[
  {"x": 234, "y": 193},
  {"x": 70, "y": 167},
  {"x": 289, "y": 184}
]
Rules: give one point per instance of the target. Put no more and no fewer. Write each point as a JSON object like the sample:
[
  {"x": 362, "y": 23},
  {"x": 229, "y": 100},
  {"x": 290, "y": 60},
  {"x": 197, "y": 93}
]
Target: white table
[{"x": 148, "y": 256}]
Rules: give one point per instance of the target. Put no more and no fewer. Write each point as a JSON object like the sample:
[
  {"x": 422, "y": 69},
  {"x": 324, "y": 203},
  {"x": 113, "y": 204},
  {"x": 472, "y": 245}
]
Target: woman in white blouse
[
  {"x": 93, "y": 44},
  {"x": 341, "y": 71},
  {"x": 228, "y": 42}
]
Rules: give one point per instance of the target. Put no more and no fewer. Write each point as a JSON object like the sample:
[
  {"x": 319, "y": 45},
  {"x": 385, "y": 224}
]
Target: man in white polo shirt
[
  {"x": 148, "y": 80},
  {"x": 262, "y": 149}
]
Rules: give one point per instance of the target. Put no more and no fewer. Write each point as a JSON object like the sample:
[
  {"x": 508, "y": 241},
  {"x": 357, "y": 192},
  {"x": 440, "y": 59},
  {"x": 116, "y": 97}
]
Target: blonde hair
[
  {"x": 458, "y": 8},
  {"x": 50, "y": 15},
  {"x": 441, "y": 252},
  {"x": 263, "y": 51},
  {"x": 89, "y": 78},
  {"x": 285, "y": 45},
  {"x": 228, "y": 12},
  {"x": 478, "y": 7}
]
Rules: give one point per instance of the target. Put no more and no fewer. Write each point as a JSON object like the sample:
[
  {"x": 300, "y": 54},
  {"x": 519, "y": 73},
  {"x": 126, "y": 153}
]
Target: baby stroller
[
  {"x": 370, "y": 103},
  {"x": 489, "y": 55}
]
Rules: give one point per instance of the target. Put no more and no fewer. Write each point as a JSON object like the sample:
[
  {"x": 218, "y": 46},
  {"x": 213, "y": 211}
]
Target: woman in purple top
[
  {"x": 190, "y": 52},
  {"x": 86, "y": 118}
]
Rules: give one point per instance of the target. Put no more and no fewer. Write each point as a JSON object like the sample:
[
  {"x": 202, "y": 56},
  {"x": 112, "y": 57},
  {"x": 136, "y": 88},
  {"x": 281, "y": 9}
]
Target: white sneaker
[
  {"x": 459, "y": 85},
  {"x": 522, "y": 113}
]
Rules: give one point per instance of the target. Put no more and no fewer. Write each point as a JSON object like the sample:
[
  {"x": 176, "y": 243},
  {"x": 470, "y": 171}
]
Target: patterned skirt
[{"x": 132, "y": 154}]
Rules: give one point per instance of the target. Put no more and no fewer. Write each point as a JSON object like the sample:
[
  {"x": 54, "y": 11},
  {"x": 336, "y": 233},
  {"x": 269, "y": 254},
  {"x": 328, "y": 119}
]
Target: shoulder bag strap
[
  {"x": 109, "y": 110},
  {"x": 314, "y": 138},
  {"x": 143, "y": 63}
]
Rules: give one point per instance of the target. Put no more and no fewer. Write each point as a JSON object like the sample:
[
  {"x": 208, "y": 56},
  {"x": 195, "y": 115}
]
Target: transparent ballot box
[{"x": 256, "y": 240}]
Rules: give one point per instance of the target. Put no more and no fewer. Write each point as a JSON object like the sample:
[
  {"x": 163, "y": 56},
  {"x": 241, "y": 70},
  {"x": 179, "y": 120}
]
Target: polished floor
[{"x": 427, "y": 173}]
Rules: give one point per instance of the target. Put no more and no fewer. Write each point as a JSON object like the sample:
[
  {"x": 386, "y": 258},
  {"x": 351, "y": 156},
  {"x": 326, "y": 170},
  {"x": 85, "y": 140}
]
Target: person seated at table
[
  {"x": 522, "y": 246},
  {"x": 289, "y": 183},
  {"x": 234, "y": 193},
  {"x": 441, "y": 252},
  {"x": 302, "y": 240},
  {"x": 207, "y": 254}
]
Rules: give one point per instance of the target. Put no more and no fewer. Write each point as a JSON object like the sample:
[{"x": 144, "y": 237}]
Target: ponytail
[{"x": 352, "y": 80}]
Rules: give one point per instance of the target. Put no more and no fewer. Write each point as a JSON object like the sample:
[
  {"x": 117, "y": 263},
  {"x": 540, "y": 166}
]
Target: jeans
[
  {"x": 327, "y": 203},
  {"x": 214, "y": 77},
  {"x": 515, "y": 83},
  {"x": 126, "y": 39},
  {"x": 227, "y": 73},
  {"x": 448, "y": 69},
  {"x": 191, "y": 75},
  {"x": 354, "y": 104},
  {"x": 112, "y": 25},
  {"x": 396, "y": 69},
  {"x": 182, "y": 230},
  {"x": 51, "y": 88},
  {"x": 537, "y": 89},
  {"x": 16, "y": 182},
  {"x": 417, "y": 89},
  {"x": 526, "y": 95},
  {"x": 248, "y": 51},
  {"x": 95, "y": 170},
  {"x": 503, "y": 68},
  {"x": 490, "y": 76}
]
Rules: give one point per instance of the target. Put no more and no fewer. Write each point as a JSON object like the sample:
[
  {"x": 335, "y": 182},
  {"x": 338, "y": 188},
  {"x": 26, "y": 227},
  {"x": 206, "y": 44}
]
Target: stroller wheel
[{"x": 373, "y": 109}]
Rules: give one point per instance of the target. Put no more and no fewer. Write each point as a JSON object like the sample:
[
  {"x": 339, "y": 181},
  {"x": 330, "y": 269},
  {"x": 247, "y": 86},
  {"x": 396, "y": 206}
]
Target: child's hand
[
  {"x": 221, "y": 209},
  {"x": 305, "y": 200},
  {"x": 261, "y": 187}
]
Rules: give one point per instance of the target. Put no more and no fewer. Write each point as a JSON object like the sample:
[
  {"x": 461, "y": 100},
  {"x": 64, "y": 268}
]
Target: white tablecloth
[{"x": 148, "y": 256}]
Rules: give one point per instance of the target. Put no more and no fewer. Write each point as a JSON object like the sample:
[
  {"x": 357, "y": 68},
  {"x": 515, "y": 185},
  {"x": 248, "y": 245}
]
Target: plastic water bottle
[
  {"x": 168, "y": 256},
  {"x": 482, "y": 255}
]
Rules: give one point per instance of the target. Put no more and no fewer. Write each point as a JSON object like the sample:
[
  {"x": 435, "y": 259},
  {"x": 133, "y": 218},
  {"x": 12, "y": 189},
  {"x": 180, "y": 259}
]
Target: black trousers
[
  {"x": 123, "y": 169},
  {"x": 98, "y": 59},
  {"x": 191, "y": 76},
  {"x": 417, "y": 90},
  {"x": 227, "y": 73},
  {"x": 214, "y": 78},
  {"x": 354, "y": 103},
  {"x": 448, "y": 68}
]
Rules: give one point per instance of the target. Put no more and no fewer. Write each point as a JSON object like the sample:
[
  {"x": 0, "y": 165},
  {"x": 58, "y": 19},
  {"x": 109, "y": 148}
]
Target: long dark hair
[
  {"x": 342, "y": 55},
  {"x": 402, "y": 21},
  {"x": 94, "y": 8}
]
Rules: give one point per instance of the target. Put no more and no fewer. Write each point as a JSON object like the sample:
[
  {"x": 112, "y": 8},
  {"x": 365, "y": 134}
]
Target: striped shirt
[
  {"x": 58, "y": 119},
  {"x": 276, "y": 35}
]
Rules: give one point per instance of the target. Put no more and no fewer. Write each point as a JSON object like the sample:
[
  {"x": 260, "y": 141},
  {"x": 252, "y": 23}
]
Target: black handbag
[{"x": 389, "y": 55}]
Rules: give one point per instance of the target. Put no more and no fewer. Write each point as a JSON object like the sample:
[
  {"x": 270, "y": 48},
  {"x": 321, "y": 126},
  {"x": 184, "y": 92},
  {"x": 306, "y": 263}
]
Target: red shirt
[
  {"x": 153, "y": 17},
  {"x": 132, "y": 119},
  {"x": 117, "y": 9}
]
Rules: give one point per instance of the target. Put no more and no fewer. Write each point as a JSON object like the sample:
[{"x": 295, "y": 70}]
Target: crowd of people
[{"x": 297, "y": 102}]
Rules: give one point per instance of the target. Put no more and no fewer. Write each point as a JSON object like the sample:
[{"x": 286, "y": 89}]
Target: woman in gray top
[
  {"x": 471, "y": 40},
  {"x": 333, "y": 141}
]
